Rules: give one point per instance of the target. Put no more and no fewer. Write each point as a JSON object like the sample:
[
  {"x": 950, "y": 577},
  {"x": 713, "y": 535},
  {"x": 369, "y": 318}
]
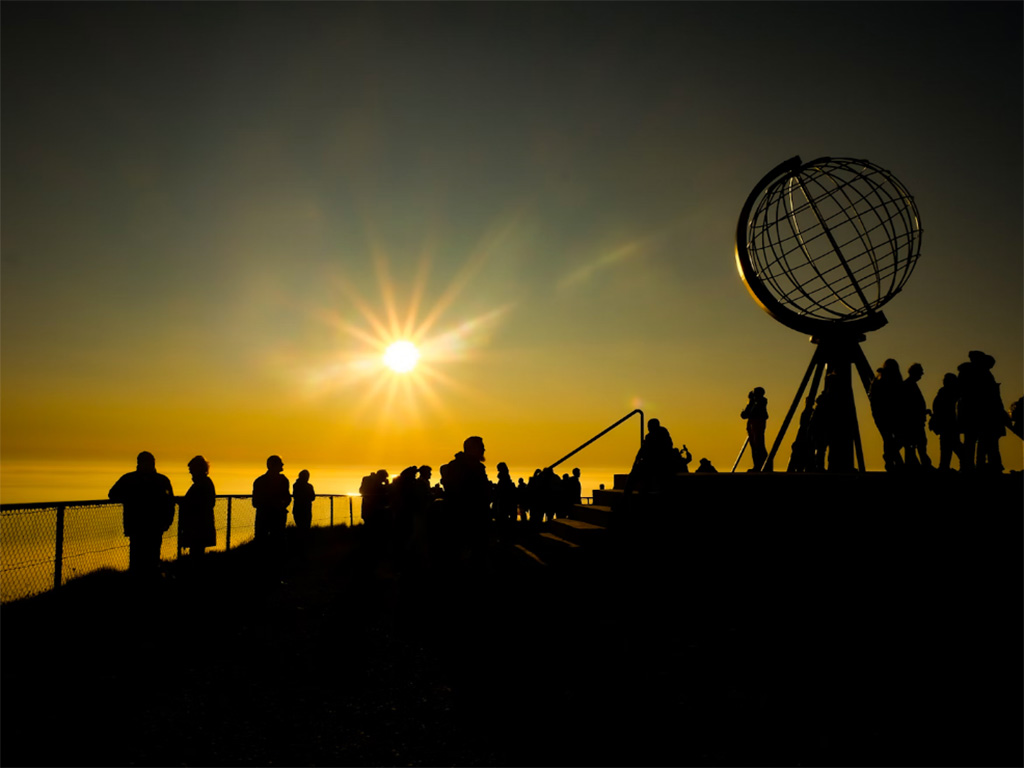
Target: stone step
[
  {"x": 528, "y": 556},
  {"x": 595, "y": 514},
  {"x": 552, "y": 543},
  {"x": 581, "y": 533},
  {"x": 608, "y": 497},
  {"x": 548, "y": 549}
]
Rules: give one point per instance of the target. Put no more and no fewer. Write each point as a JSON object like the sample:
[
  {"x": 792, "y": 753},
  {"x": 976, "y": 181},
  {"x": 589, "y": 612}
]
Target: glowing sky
[{"x": 216, "y": 218}]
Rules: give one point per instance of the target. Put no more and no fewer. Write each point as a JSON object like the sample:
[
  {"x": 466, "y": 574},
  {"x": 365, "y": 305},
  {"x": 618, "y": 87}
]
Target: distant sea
[{"x": 28, "y": 482}]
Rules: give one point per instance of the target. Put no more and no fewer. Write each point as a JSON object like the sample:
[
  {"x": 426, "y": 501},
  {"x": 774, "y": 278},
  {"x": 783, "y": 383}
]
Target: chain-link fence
[{"x": 45, "y": 545}]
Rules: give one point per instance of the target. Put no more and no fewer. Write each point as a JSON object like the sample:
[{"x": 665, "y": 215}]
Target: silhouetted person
[
  {"x": 981, "y": 415},
  {"x": 1016, "y": 414},
  {"x": 423, "y": 478},
  {"x": 654, "y": 462},
  {"x": 148, "y": 510},
  {"x": 424, "y": 515},
  {"x": 886, "y": 401},
  {"x": 534, "y": 502},
  {"x": 303, "y": 495},
  {"x": 802, "y": 449},
  {"x": 705, "y": 466},
  {"x": 468, "y": 497},
  {"x": 822, "y": 425},
  {"x": 506, "y": 502},
  {"x": 832, "y": 426},
  {"x": 196, "y": 527},
  {"x": 915, "y": 414},
  {"x": 564, "y": 497},
  {"x": 545, "y": 497},
  {"x": 373, "y": 491},
  {"x": 756, "y": 414},
  {"x": 994, "y": 417},
  {"x": 683, "y": 459},
  {"x": 405, "y": 498},
  {"x": 523, "y": 499},
  {"x": 944, "y": 420},
  {"x": 271, "y": 497},
  {"x": 574, "y": 487}
]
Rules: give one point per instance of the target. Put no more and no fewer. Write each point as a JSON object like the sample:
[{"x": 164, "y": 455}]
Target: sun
[
  {"x": 401, "y": 357},
  {"x": 397, "y": 355}
]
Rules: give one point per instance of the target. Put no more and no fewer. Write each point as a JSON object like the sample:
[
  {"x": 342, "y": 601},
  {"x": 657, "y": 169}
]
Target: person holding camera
[{"x": 756, "y": 414}]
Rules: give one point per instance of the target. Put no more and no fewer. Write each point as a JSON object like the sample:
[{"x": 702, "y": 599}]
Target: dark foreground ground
[{"x": 705, "y": 634}]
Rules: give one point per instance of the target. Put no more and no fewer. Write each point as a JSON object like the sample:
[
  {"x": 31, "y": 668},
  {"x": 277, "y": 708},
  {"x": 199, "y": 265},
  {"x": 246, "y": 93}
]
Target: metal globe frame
[{"x": 822, "y": 246}]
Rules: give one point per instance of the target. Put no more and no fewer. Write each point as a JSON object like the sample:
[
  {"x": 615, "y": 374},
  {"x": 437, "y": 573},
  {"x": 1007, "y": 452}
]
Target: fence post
[
  {"x": 227, "y": 535},
  {"x": 58, "y": 549},
  {"x": 332, "y": 511},
  {"x": 351, "y": 520}
]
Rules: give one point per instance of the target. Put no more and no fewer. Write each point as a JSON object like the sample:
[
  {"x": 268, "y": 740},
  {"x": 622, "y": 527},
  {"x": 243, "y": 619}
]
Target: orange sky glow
[{"x": 218, "y": 217}]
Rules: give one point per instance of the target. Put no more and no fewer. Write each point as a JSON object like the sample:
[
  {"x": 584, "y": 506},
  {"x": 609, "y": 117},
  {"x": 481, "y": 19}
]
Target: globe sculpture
[{"x": 822, "y": 246}]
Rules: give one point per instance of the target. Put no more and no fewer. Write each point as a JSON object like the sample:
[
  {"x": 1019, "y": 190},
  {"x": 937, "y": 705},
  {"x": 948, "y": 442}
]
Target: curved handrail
[{"x": 602, "y": 434}]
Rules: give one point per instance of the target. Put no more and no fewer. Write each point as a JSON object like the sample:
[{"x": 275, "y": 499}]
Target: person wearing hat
[{"x": 756, "y": 414}]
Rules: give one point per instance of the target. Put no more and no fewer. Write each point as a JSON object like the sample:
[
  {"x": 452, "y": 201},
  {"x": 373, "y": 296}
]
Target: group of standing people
[
  {"x": 271, "y": 497},
  {"x": 658, "y": 460},
  {"x": 148, "y": 505},
  {"x": 465, "y": 509},
  {"x": 900, "y": 411},
  {"x": 460, "y": 516},
  {"x": 468, "y": 509},
  {"x": 967, "y": 414}
]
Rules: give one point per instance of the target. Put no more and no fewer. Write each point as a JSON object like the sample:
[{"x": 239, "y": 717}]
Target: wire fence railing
[{"x": 44, "y": 545}]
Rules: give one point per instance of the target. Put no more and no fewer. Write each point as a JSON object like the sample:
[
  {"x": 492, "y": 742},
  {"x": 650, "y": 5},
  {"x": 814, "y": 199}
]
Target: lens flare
[{"x": 392, "y": 353}]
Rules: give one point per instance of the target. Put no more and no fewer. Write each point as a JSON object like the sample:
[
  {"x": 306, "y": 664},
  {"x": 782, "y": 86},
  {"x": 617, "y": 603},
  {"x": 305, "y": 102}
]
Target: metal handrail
[{"x": 603, "y": 433}]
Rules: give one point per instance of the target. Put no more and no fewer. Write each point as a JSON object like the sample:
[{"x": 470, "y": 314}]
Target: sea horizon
[{"x": 39, "y": 481}]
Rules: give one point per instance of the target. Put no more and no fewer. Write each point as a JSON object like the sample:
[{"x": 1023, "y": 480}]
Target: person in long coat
[{"x": 196, "y": 527}]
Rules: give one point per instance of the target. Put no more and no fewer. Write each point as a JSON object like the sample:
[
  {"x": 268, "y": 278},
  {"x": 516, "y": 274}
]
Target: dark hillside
[{"x": 710, "y": 632}]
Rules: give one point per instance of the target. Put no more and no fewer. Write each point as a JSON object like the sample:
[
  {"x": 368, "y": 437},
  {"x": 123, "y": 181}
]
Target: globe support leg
[
  {"x": 815, "y": 363},
  {"x": 834, "y": 415}
]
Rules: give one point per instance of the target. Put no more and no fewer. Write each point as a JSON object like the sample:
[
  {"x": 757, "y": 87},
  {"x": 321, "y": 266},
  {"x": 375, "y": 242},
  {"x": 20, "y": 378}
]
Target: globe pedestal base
[{"x": 828, "y": 423}]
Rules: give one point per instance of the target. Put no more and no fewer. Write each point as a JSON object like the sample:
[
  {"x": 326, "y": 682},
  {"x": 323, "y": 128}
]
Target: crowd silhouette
[
  {"x": 460, "y": 518},
  {"x": 967, "y": 415},
  {"x": 457, "y": 519}
]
